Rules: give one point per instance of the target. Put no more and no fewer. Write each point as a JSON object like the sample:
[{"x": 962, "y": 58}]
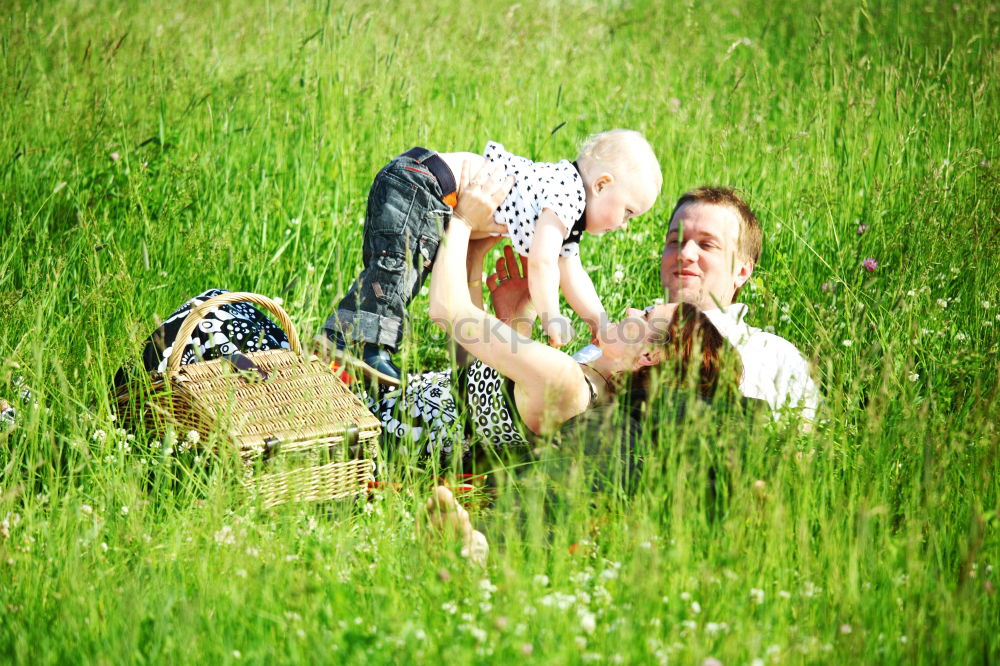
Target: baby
[{"x": 615, "y": 177}]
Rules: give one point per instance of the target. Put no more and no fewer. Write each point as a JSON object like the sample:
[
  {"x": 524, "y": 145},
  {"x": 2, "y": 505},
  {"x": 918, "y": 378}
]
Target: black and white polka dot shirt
[{"x": 537, "y": 186}]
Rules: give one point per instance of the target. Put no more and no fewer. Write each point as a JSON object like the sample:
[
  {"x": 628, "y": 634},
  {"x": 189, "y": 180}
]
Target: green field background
[{"x": 153, "y": 150}]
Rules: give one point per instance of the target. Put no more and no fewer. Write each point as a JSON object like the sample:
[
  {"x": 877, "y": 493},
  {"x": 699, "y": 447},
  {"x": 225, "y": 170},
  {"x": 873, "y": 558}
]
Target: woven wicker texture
[
  {"x": 300, "y": 419},
  {"x": 298, "y": 401}
]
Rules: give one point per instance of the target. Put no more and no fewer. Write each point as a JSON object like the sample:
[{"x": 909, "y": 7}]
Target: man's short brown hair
[{"x": 751, "y": 236}]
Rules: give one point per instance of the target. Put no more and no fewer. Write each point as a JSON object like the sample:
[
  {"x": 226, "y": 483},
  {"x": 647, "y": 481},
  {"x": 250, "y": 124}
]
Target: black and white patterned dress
[
  {"x": 425, "y": 414},
  {"x": 537, "y": 186}
]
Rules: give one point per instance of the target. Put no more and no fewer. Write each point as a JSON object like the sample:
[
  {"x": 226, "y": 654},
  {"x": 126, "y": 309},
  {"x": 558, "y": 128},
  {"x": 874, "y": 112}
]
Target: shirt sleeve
[{"x": 562, "y": 193}]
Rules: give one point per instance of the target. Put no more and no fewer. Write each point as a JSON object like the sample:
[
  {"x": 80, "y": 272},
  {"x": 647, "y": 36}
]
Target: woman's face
[{"x": 626, "y": 340}]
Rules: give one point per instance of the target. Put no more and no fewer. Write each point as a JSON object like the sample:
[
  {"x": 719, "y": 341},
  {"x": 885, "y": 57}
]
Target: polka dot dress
[
  {"x": 537, "y": 186},
  {"x": 491, "y": 415}
]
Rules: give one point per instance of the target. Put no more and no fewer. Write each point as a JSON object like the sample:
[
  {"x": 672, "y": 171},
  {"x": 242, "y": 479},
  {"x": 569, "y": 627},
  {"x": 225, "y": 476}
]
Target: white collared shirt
[{"x": 773, "y": 369}]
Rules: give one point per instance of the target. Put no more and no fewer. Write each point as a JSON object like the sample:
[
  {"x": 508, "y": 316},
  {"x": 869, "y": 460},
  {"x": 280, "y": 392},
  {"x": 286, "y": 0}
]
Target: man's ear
[
  {"x": 744, "y": 270},
  {"x": 601, "y": 182}
]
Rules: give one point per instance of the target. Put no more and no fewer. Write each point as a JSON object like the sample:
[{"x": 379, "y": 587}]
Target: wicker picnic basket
[{"x": 301, "y": 433}]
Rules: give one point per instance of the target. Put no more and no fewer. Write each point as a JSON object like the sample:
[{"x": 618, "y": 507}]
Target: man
[{"x": 712, "y": 247}]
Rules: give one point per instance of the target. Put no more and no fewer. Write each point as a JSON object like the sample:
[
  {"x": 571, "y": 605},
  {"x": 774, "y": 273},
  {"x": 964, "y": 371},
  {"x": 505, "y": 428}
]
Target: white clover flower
[
  {"x": 237, "y": 654},
  {"x": 449, "y": 607},
  {"x": 942, "y": 303},
  {"x": 487, "y": 588},
  {"x": 914, "y": 376},
  {"x": 581, "y": 642},
  {"x": 225, "y": 536},
  {"x": 985, "y": 304},
  {"x": 911, "y": 293},
  {"x": 757, "y": 595},
  {"x": 588, "y": 621},
  {"x": 847, "y": 343},
  {"x": 769, "y": 329},
  {"x": 712, "y": 628},
  {"x": 193, "y": 436},
  {"x": 541, "y": 580},
  {"x": 278, "y": 300},
  {"x": 784, "y": 594},
  {"x": 99, "y": 435},
  {"x": 124, "y": 510},
  {"x": 86, "y": 509},
  {"x": 845, "y": 629},
  {"x": 104, "y": 547},
  {"x": 618, "y": 276},
  {"x": 961, "y": 337},
  {"x": 695, "y": 607}
]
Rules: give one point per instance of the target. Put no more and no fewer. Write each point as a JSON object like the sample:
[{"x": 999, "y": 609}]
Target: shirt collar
[{"x": 729, "y": 320}]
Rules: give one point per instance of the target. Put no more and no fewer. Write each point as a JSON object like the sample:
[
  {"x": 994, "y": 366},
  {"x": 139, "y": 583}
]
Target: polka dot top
[{"x": 537, "y": 186}]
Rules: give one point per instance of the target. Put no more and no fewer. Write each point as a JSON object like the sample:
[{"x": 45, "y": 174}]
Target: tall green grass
[{"x": 151, "y": 151}]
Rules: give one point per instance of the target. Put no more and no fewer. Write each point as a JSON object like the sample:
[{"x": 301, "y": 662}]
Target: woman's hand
[{"x": 479, "y": 196}]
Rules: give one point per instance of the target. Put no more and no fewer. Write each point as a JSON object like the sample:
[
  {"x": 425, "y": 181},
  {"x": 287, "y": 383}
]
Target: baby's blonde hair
[{"x": 625, "y": 153}]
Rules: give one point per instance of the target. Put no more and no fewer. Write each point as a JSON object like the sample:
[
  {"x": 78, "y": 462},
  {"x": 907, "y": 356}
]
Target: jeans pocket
[
  {"x": 388, "y": 276},
  {"x": 390, "y": 204}
]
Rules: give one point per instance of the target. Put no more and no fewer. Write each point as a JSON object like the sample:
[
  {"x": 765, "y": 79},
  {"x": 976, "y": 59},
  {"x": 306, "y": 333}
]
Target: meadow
[{"x": 153, "y": 150}]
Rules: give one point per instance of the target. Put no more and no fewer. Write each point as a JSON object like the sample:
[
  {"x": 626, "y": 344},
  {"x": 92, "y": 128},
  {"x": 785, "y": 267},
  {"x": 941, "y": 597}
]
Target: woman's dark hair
[{"x": 695, "y": 356}]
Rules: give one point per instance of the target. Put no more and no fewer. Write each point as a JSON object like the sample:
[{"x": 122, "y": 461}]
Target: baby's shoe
[{"x": 375, "y": 362}]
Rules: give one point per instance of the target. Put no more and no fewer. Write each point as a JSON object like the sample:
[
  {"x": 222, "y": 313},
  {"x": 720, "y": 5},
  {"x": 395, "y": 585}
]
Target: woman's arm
[
  {"x": 478, "y": 249},
  {"x": 552, "y": 381}
]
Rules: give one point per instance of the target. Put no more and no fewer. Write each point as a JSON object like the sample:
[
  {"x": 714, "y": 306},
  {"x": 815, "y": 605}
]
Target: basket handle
[{"x": 195, "y": 316}]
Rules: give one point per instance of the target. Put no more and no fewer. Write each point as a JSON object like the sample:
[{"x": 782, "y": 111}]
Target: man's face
[{"x": 701, "y": 263}]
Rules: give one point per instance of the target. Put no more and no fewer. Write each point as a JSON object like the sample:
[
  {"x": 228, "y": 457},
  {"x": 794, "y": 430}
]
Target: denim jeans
[{"x": 403, "y": 226}]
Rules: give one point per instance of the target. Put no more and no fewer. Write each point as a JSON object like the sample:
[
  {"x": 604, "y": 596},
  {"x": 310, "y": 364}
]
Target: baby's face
[{"x": 611, "y": 204}]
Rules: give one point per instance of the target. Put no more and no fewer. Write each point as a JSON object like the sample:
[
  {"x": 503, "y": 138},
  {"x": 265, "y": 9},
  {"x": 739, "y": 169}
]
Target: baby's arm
[
  {"x": 579, "y": 291},
  {"x": 543, "y": 277}
]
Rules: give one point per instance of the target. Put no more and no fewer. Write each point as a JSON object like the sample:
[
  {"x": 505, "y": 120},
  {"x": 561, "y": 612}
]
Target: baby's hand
[{"x": 558, "y": 328}]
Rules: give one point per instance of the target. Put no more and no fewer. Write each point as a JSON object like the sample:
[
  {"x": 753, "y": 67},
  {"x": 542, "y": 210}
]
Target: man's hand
[{"x": 509, "y": 292}]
